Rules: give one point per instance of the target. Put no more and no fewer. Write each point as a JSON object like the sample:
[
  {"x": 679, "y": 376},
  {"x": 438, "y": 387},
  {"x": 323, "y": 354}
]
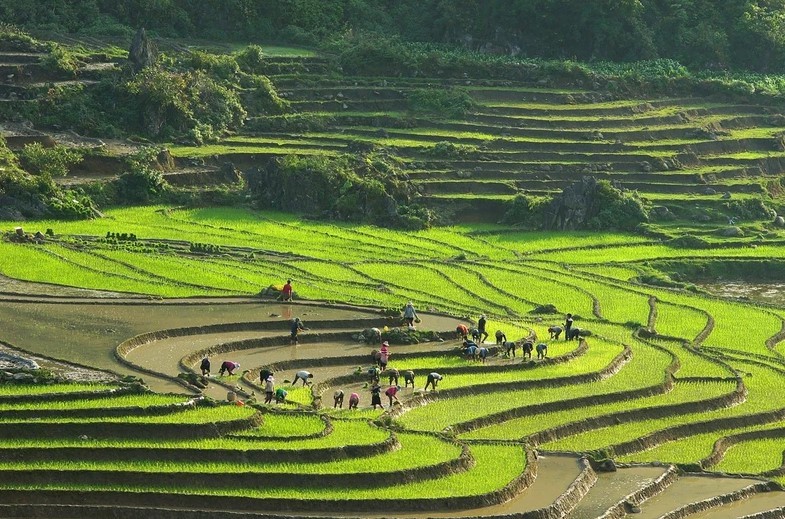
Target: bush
[
  {"x": 446, "y": 149},
  {"x": 184, "y": 104},
  {"x": 526, "y": 211},
  {"x": 364, "y": 188},
  {"x": 61, "y": 61},
  {"x": 142, "y": 183},
  {"x": 51, "y": 162},
  {"x": 452, "y": 103}
]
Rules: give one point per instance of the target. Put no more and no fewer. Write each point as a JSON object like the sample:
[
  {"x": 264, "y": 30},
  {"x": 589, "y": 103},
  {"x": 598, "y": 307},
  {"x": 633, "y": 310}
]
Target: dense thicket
[{"x": 746, "y": 34}]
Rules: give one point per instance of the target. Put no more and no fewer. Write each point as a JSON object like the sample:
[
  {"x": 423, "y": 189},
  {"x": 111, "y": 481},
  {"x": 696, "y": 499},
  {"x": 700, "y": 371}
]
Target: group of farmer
[{"x": 473, "y": 349}]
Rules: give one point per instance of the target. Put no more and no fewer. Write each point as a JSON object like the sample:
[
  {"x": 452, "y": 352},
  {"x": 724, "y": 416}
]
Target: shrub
[
  {"x": 446, "y": 149},
  {"x": 178, "y": 104},
  {"x": 365, "y": 188},
  {"x": 61, "y": 61},
  {"x": 52, "y": 162},
  {"x": 142, "y": 182},
  {"x": 526, "y": 211},
  {"x": 451, "y": 103}
]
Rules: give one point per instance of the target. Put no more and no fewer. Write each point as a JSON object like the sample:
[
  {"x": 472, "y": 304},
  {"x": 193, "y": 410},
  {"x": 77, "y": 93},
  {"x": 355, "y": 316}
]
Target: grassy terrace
[{"x": 513, "y": 139}]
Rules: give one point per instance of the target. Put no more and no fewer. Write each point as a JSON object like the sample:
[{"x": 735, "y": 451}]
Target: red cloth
[
  {"x": 287, "y": 290},
  {"x": 462, "y": 329}
]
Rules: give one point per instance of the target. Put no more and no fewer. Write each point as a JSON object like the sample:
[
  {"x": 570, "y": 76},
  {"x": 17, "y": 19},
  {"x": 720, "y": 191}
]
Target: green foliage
[
  {"x": 53, "y": 162},
  {"x": 263, "y": 99},
  {"x": 177, "y": 104},
  {"x": 14, "y": 37},
  {"x": 251, "y": 59},
  {"x": 60, "y": 60},
  {"x": 750, "y": 209},
  {"x": 35, "y": 196},
  {"x": 367, "y": 188},
  {"x": 525, "y": 211},
  {"x": 452, "y": 103},
  {"x": 142, "y": 183},
  {"x": 447, "y": 149},
  {"x": 616, "y": 209}
]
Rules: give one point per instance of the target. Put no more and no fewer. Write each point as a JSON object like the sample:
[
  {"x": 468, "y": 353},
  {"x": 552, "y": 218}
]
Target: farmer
[
  {"x": 567, "y": 326},
  {"x": 409, "y": 314},
  {"x": 433, "y": 379},
  {"x": 374, "y": 373},
  {"x": 393, "y": 375},
  {"x": 269, "y": 389},
  {"x": 462, "y": 330},
  {"x": 229, "y": 366},
  {"x": 470, "y": 349},
  {"x": 481, "y": 328},
  {"x": 374, "y": 334},
  {"x": 280, "y": 395},
  {"x": 263, "y": 374},
  {"x": 302, "y": 375},
  {"x": 482, "y": 352},
  {"x": 391, "y": 393},
  {"x": 286, "y": 292},
  {"x": 501, "y": 337},
  {"x": 509, "y": 349},
  {"x": 297, "y": 325},
  {"x": 354, "y": 401},
  {"x": 528, "y": 347},
  {"x": 408, "y": 376},
  {"x": 205, "y": 366},
  {"x": 542, "y": 350},
  {"x": 338, "y": 399},
  {"x": 476, "y": 334},
  {"x": 555, "y": 331},
  {"x": 384, "y": 355},
  {"x": 376, "y": 398}
]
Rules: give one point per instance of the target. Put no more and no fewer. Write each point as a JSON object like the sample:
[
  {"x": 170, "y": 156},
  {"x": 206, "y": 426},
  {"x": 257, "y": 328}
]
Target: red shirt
[
  {"x": 287, "y": 290},
  {"x": 462, "y": 329}
]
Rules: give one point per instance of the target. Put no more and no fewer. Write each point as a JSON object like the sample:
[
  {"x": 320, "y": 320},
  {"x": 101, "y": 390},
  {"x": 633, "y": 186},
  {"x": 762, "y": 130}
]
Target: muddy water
[
  {"x": 752, "y": 505},
  {"x": 88, "y": 333},
  {"x": 688, "y": 490},
  {"x": 556, "y": 473},
  {"x": 773, "y": 293},
  {"x": 613, "y": 487}
]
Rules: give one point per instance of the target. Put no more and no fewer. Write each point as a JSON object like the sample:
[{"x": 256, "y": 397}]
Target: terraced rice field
[
  {"x": 669, "y": 376},
  {"x": 682, "y": 153},
  {"x": 670, "y": 397}
]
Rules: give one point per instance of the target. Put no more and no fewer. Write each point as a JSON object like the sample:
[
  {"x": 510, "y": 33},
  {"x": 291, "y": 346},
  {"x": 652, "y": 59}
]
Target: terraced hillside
[
  {"x": 695, "y": 156},
  {"x": 664, "y": 375},
  {"x": 675, "y": 387}
]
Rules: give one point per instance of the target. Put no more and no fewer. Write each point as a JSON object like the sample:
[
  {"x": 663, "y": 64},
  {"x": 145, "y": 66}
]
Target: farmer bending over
[
  {"x": 433, "y": 379},
  {"x": 338, "y": 399},
  {"x": 228, "y": 366},
  {"x": 304, "y": 376},
  {"x": 408, "y": 377}
]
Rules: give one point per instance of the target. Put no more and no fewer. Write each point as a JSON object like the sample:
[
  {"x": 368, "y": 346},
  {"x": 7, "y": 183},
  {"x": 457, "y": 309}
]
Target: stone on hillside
[
  {"x": 143, "y": 52},
  {"x": 779, "y": 221},
  {"x": 709, "y": 191},
  {"x": 606, "y": 466},
  {"x": 23, "y": 377},
  {"x": 732, "y": 232},
  {"x": 545, "y": 309},
  {"x": 726, "y": 195}
]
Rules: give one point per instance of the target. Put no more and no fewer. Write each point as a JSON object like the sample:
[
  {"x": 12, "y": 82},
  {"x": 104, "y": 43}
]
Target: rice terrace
[{"x": 330, "y": 259}]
